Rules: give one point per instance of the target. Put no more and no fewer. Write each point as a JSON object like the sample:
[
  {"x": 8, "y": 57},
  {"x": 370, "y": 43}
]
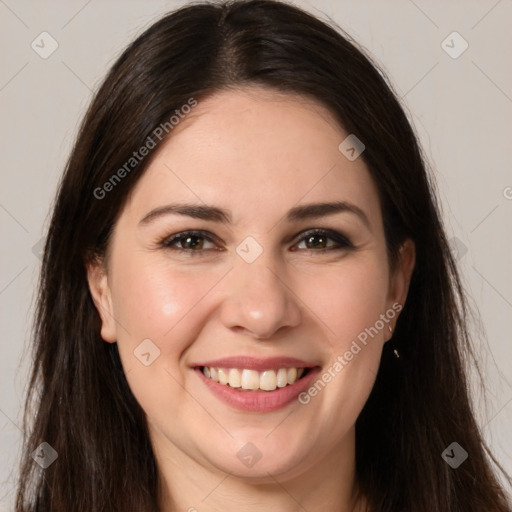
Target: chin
[{"x": 263, "y": 459}]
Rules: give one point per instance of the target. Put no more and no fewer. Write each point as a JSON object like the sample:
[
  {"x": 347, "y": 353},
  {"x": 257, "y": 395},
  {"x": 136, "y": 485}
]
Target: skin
[{"x": 256, "y": 153}]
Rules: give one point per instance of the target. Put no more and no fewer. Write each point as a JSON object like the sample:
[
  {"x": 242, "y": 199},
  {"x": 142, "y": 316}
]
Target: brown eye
[
  {"x": 191, "y": 242},
  {"x": 315, "y": 241},
  {"x": 188, "y": 241},
  {"x": 322, "y": 240}
]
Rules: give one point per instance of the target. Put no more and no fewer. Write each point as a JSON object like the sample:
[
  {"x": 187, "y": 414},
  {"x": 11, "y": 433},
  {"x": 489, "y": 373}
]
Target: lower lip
[{"x": 259, "y": 401}]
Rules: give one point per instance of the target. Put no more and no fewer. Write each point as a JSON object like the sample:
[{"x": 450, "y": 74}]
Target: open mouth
[{"x": 244, "y": 379}]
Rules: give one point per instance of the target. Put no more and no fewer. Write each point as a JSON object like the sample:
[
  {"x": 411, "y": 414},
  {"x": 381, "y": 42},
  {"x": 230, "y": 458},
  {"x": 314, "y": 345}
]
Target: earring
[{"x": 395, "y": 351}]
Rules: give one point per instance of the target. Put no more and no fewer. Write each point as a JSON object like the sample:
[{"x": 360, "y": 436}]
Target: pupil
[
  {"x": 317, "y": 237},
  {"x": 192, "y": 244}
]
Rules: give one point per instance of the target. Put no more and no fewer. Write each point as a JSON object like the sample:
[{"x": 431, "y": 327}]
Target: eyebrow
[{"x": 216, "y": 214}]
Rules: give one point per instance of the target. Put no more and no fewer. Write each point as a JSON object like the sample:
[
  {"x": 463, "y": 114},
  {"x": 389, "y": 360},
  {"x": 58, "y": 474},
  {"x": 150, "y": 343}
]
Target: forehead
[{"x": 257, "y": 153}]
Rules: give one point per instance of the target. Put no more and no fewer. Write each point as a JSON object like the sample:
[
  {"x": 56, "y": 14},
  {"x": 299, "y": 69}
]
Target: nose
[{"x": 259, "y": 301}]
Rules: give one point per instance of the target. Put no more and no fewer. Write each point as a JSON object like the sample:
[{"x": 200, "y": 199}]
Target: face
[{"x": 251, "y": 286}]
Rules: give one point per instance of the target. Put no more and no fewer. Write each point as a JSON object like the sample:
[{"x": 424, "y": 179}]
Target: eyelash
[{"x": 343, "y": 242}]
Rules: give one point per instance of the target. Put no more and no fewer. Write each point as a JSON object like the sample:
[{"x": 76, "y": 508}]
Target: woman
[{"x": 247, "y": 298}]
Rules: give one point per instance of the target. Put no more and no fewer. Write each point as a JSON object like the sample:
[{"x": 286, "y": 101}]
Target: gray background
[{"x": 461, "y": 108}]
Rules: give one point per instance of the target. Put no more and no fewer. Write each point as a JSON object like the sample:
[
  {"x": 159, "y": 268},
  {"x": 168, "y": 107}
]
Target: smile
[
  {"x": 253, "y": 380},
  {"x": 257, "y": 385}
]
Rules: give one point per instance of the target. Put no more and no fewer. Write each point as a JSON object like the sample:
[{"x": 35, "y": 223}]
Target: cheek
[
  {"x": 348, "y": 296},
  {"x": 153, "y": 300},
  {"x": 350, "y": 301}
]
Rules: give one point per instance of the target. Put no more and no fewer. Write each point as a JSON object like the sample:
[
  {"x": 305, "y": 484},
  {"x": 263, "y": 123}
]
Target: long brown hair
[{"x": 79, "y": 401}]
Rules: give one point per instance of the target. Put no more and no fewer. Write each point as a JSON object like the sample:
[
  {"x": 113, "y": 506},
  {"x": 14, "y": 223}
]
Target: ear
[
  {"x": 400, "y": 279},
  {"x": 102, "y": 298}
]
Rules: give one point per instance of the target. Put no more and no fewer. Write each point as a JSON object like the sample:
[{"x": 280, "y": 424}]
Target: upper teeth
[{"x": 267, "y": 380}]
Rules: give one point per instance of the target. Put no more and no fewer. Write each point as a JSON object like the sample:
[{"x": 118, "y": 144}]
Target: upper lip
[{"x": 254, "y": 363}]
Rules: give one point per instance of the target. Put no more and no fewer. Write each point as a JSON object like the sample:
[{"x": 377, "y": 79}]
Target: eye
[
  {"x": 188, "y": 241},
  {"x": 318, "y": 240}
]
